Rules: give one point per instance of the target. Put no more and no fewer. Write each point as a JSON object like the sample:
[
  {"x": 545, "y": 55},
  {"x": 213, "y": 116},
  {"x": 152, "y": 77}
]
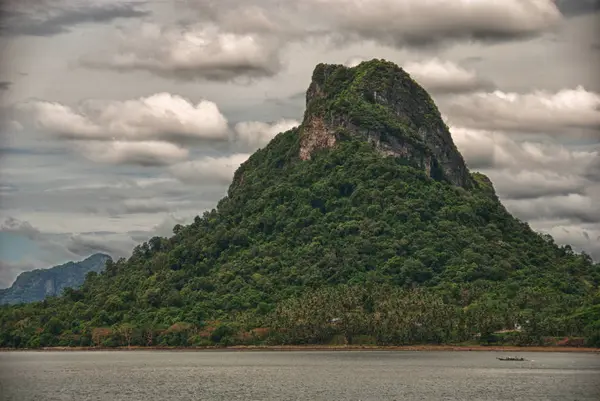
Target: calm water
[{"x": 157, "y": 375}]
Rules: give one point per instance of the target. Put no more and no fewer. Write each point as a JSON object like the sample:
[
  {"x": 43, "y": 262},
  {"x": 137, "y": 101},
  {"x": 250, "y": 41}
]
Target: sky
[{"x": 120, "y": 119}]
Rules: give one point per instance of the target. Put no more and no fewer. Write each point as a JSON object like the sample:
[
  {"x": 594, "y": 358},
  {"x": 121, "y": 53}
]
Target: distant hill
[{"x": 35, "y": 285}]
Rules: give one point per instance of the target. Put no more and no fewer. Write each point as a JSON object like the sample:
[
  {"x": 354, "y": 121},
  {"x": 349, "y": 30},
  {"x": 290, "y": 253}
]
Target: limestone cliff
[{"x": 380, "y": 103}]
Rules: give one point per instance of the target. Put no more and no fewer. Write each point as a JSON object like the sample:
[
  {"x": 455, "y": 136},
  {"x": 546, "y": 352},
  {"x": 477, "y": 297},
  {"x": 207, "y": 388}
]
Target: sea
[{"x": 297, "y": 375}]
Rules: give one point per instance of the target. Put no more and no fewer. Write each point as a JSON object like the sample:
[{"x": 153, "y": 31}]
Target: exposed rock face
[
  {"x": 317, "y": 136},
  {"x": 380, "y": 103},
  {"x": 36, "y": 285}
]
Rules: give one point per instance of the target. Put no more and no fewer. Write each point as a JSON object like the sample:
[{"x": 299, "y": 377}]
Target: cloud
[
  {"x": 231, "y": 39},
  {"x": 209, "y": 169},
  {"x": 593, "y": 172},
  {"x": 442, "y": 77},
  {"x": 488, "y": 149},
  {"x": 527, "y": 185},
  {"x": 53, "y": 17},
  {"x": 16, "y": 226},
  {"x": 161, "y": 116},
  {"x": 425, "y": 22},
  {"x": 536, "y": 112},
  {"x": 578, "y": 7},
  {"x": 115, "y": 245},
  {"x": 145, "y": 206},
  {"x": 146, "y": 153},
  {"x": 255, "y": 134},
  {"x": 573, "y": 207},
  {"x": 5, "y": 85},
  {"x": 526, "y": 169},
  {"x": 192, "y": 52}
]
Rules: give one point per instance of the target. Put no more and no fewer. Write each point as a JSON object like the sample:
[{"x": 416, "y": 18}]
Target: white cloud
[
  {"x": 539, "y": 111},
  {"x": 147, "y": 153},
  {"x": 162, "y": 116},
  {"x": 257, "y": 134},
  {"x": 199, "y": 51},
  {"x": 439, "y": 76},
  {"x": 209, "y": 169}
]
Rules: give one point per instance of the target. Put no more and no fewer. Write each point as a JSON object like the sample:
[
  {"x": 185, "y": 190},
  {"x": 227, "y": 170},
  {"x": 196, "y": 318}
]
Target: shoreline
[{"x": 291, "y": 348}]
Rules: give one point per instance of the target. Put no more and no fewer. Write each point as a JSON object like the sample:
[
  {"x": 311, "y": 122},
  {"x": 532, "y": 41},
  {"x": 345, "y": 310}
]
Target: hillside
[
  {"x": 36, "y": 285},
  {"x": 362, "y": 222}
]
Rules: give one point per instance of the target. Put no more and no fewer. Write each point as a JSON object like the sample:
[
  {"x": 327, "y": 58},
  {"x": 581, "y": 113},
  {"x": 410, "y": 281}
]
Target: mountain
[
  {"x": 38, "y": 284},
  {"x": 363, "y": 222}
]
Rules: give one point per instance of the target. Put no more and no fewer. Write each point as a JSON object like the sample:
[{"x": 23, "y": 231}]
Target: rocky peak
[{"x": 379, "y": 102}]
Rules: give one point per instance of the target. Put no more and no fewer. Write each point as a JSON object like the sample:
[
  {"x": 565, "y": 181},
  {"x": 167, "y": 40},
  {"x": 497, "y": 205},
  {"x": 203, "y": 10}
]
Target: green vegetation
[{"x": 350, "y": 246}]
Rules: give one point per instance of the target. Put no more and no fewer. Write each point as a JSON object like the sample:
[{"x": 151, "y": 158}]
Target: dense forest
[{"x": 351, "y": 246}]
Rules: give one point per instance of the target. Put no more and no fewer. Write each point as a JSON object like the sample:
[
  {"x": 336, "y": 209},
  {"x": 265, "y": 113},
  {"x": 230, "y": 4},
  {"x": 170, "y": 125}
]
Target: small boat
[{"x": 510, "y": 358}]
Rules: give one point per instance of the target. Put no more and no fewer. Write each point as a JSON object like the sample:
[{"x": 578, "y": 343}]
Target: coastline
[{"x": 290, "y": 348}]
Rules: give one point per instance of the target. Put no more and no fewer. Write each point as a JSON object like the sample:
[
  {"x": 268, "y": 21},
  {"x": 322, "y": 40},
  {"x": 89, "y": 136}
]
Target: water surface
[{"x": 310, "y": 375}]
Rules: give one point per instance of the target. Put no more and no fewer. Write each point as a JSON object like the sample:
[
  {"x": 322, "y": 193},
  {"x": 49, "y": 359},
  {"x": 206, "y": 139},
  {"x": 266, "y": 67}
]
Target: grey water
[{"x": 296, "y": 375}]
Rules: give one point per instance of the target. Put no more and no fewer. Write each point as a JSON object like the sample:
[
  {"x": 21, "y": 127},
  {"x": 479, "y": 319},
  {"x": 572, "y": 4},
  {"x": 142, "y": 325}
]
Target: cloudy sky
[{"x": 120, "y": 119}]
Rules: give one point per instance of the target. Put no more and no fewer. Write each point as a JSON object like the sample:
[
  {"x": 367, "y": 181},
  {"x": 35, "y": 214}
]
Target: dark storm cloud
[{"x": 49, "y": 18}]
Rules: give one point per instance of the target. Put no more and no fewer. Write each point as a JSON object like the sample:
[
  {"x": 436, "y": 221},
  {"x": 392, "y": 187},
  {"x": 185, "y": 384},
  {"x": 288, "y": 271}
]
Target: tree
[{"x": 126, "y": 331}]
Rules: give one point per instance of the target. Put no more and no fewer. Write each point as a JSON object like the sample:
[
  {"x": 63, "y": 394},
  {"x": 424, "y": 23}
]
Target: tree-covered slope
[
  {"x": 38, "y": 284},
  {"x": 344, "y": 225}
]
